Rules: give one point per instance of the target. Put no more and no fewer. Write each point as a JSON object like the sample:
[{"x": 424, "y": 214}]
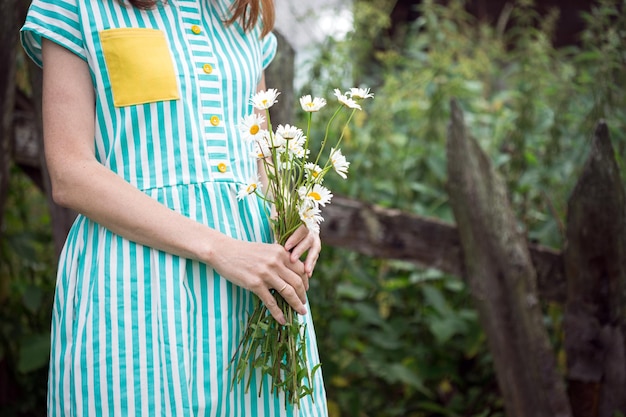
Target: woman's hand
[
  {"x": 261, "y": 267},
  {"x": 301, "y": 241}
]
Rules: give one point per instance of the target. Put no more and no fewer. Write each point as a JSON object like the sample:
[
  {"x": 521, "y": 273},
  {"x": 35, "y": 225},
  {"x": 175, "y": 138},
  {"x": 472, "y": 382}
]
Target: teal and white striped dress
[{"x": 136, "y": 331}]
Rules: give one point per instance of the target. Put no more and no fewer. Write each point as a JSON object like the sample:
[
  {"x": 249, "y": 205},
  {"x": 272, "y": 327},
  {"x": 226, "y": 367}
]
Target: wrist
[{"x": 210, "y": 247}]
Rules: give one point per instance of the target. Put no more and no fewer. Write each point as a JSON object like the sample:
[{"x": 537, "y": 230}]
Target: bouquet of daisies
[{"x": 295, "y": 194}]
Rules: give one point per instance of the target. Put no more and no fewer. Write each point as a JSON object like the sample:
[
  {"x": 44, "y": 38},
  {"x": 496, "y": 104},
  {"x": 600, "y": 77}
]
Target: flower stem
[{"x": 326, "y": 133}]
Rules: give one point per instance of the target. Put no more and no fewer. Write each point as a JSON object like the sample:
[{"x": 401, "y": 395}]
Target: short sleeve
[
  {"x": 57, "y": 20},
  {"x": 270, "y": 44}
]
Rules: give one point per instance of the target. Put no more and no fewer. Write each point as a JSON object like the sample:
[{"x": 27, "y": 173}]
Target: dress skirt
[{"x": 139, "y": 332}]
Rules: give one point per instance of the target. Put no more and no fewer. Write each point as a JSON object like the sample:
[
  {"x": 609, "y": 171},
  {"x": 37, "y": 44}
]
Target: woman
[{"x": 141, "y": 104}]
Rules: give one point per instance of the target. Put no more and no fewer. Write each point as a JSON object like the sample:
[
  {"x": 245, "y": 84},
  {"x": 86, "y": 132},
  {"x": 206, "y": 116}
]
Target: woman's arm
[{"x": 80, "y": 182}]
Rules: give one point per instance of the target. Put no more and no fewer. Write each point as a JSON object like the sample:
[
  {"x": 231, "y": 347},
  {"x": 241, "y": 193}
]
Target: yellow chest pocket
[{"x": 140, "y": 66}]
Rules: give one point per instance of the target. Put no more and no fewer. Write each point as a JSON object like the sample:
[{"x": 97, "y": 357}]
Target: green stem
[
  {"x": 326, "y": 133},
  {"x": 340, "y": 137}
]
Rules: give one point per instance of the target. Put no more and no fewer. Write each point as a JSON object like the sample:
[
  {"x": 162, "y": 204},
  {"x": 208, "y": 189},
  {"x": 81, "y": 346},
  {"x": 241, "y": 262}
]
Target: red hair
[{"x": 245, "y": 11}]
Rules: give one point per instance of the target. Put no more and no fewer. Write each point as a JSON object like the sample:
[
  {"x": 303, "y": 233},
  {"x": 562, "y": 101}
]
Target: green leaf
[
  {"x": 34, "y": 352},
  {"x": 530, "y": 158},
  {"x": 437, "y": 408},
  {"x": 435, "y": 299},
  {"x": 385, "y": 340},
  {"x": 32, "y": 298},
  {"x": 351, "y": 291},
  {"x": 368, "y": 314},
  {"x": 400, "y": 373},
  {"x": 444, "y": 328}
]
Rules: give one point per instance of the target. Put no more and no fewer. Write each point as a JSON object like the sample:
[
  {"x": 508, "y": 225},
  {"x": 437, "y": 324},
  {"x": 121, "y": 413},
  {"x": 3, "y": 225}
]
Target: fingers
[
  {"x": 296, "y": 286},
  {"x": 289, "y": 293},
  {"x": 286, "y": 277},
  {"x": 283, "y": 288},
  {"x": 302, "y": 241},
  {"x": 272, "y": 306},
  {"x": 297, "y": 236},
  {"x": 292, "y": 296},
  {"x": 310, "y": 262}
]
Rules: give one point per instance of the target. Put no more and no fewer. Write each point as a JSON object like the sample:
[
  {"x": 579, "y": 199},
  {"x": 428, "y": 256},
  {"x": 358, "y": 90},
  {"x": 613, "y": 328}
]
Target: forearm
[{"x": 96, "y": 192}]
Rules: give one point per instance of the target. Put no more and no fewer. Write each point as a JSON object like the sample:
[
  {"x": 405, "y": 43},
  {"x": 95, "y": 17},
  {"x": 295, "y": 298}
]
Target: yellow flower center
[
  {"x": 310, "y": 104},
  {"x": 264, "y": 102},
  {"x": 315, "y": 174},
  {"x": 251, "y": 188},
  {"x": 254, "y": 129},
  {"x": 315, "y": 196}
]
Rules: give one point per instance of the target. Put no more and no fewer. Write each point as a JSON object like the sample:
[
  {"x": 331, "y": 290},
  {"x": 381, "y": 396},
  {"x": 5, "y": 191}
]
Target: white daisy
[
  {"x": 265, "y": 99},
  {"x": 289, "y": 132},
  {"x": 251, "y": 128},
  {"x": 250, "y": 188},
  {"x": 285, "y": 133},
  {"x": 276, "y": 141},
  {"x": 262, "y": 149},
  {"x": 361, "y": 93},
  {"x": 312, "y": 104},
  {"x": 311, "y": 217},
  {"x": 296, "y": 147},
  {"x": 339, "y": 162},
  {"x": 313, "y": 172},
  {"x": 317, "y": 195},
  {"x": 346, "y": 101}
]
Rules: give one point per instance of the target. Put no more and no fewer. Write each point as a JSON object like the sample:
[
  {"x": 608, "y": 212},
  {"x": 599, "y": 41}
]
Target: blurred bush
[
  {"x": 398, "y": 340},
  {"x": 27, "y": 271}
]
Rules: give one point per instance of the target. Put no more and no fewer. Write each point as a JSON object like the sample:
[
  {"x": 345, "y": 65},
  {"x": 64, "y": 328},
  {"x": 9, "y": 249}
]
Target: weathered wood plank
[
  {"x": 502, "y": 280},
  {"x": 393, "y": 234},
  {"x": 595, "y": 266}
]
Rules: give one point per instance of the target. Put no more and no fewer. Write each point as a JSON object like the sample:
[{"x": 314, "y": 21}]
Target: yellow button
[
  {"x": 196, "y": 29},
  {"x": 215, "y": 120},
  {"x": 221, "y": 167},
  {"x": 207, "y": 68}
]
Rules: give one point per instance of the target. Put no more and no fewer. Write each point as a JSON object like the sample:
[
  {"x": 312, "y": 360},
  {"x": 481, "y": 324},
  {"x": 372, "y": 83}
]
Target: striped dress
[{"x": 136, "y": 331}]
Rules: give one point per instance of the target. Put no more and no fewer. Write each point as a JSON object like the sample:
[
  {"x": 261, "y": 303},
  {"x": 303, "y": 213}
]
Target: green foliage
[
  {"x": 532, "y": 107},
  {"x": 26, "y": 290},
  {"x": 396, "y": 340}
]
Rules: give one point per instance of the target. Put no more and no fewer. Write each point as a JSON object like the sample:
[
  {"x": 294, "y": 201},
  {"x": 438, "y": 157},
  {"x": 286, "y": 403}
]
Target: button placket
[{"x": 209, "y": 93}]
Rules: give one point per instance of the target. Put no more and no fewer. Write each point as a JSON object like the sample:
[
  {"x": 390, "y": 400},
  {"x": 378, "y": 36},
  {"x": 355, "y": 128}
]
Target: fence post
[
  {"x": 595, "y": 268},
  {"x": 502, "y": 281}
]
